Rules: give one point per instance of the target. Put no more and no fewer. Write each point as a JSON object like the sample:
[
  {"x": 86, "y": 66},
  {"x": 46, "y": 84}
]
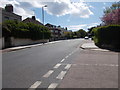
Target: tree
[
  {"x": 112, "y": 14},
  {"x": 81, "y": 33}
]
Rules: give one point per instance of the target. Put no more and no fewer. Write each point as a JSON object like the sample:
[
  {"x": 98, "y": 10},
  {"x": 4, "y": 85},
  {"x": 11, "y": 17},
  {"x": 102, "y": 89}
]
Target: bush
[
  {"x": 25, "y": 30},
  {"x": 107, "y": 36}
]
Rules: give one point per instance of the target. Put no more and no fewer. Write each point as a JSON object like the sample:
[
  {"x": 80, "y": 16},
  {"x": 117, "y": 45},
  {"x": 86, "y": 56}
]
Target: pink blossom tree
[{"x": 112, "y": 15}]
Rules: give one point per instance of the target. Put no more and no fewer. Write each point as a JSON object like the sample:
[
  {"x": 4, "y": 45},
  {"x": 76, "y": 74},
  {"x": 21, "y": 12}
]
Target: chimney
[
  {"x": 33, "y": 17},
  {"x": 9, "y": 8}
]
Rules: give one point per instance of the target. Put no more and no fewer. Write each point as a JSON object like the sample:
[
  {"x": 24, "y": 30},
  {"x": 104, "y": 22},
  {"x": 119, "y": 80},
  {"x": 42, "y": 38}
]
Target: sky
[{"x": 73, "y": 14}]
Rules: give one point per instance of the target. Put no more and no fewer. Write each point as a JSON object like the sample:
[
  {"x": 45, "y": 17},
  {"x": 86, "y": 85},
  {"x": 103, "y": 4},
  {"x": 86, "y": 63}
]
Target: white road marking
[
  {"x": 99, "y": 65},
  {"x": 53, "y": 86},
  {"x": 61, "y": 75},
  {"x": 66, "y": 56},
  {"x": 62, "y": 60},
  {"x": 107, "y": 65},
  {"x": 35, "y": 85},
  {"x": 48, "y": 73},
  {"x": 68, "y": 66},
  {"x": 57, "y": 65},
  {"x": 70, "y": 54}
]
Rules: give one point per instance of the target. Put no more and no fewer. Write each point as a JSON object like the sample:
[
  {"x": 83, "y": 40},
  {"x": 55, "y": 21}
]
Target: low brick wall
[{"x": 20, "y": 42}]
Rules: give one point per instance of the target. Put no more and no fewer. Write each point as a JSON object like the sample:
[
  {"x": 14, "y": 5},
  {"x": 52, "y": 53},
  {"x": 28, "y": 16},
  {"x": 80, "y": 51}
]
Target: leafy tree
[
  {"x": 81, "y": 33},
  {"x": 113, "y": 7},
  {"x": 68, "y": 35},
  {"x": 112, "y": 14}
]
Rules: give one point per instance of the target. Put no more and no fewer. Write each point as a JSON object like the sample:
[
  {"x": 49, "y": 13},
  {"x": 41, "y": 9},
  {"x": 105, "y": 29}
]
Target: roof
[
  {"x": 4, "y": 11},
  {"x": 32, "y": 21}
]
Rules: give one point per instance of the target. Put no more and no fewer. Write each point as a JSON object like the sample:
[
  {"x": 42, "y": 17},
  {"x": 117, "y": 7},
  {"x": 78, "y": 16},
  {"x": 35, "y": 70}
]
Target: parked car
[{"x": 86, "y": 37}]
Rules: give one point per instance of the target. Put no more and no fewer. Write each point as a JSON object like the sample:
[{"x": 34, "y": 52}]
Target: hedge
[
  {"x": 107, "y": 36},
  {"x": 24, "y": 30}
]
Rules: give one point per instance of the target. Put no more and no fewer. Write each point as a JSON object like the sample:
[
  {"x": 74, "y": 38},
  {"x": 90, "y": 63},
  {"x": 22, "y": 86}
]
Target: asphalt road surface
[{"x": 37, "y": 67}]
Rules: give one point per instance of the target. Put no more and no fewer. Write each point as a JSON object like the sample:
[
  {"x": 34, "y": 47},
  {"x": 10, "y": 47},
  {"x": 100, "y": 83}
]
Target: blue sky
[{"x": 73, "y": 14}]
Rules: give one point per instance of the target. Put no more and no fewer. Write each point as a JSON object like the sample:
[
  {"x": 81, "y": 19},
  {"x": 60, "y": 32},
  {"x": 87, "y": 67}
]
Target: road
[
  {"x": 37, "y": 67},
  {"x": 61, "y": 64}
]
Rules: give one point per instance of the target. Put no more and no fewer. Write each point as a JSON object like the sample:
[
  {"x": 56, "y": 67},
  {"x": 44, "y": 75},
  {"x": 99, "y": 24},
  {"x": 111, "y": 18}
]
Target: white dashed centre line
[
  {"x": 62, "y": 60},
  {"x": 35, "y": 85},
  {"x": 66, "y": 56},
  {"x": 61, "y": 75},
  {"x": 52, "y": 86},
  {"x": 48, "y": 73},
  {"x": 70, "y": 54},
  {"x": 57, "y": 65},
  {"x": 68, "y": 66}
]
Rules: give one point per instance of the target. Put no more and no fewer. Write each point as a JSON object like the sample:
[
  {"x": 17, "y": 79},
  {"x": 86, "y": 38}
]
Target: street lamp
[
  {"x": 43, "y": 13},
  {"x": 43, "y": 19}
]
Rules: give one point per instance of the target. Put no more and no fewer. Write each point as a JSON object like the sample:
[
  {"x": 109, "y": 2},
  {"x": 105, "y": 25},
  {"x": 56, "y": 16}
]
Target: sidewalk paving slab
[
  {"x": 92, "y": 46},
  {"x": 92, "y": 69}
]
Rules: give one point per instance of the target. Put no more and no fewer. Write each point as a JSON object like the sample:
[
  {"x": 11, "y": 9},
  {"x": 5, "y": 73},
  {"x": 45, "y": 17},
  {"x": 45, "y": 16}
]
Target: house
[
  {"x": 7, "y": 14},
  {"x": 32, "y": 20},
  {"x": 55, "y": 31}
]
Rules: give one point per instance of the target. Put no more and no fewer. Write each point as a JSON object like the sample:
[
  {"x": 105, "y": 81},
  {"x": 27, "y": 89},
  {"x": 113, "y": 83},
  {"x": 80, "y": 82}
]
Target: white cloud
[
  {"x": 82, "y": 26},
  {"x": 38, "y": 19},
  {"x": 55, "y": 7},
  {"x": 77, "y": 27},
  {"x": 104, "y": 3},
  {"x": 92, "y": 25}
]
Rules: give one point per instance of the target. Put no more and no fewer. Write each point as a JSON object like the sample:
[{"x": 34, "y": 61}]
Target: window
[
  {"x": 6, "y": 18},
  {"x": 52, "y": 30},
  {"x": 56, "y": 31},
  {"x": 15, "y": 19}
]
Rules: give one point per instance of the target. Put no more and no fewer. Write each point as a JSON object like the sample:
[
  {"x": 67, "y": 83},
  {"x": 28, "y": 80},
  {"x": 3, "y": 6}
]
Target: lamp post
[
  {"x": 43, "y": 13},
  {"x": 43, "y": 19}
]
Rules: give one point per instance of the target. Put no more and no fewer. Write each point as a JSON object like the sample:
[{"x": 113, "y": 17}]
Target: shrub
[
  {"x": 107, "y": 36},
  {"x": 25, "y": 30}
]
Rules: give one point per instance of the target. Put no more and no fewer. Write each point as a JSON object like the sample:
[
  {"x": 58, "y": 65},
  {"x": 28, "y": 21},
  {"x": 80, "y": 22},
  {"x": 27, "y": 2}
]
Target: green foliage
[
  {"x": 77, "y": 34},
  {"x": 112, "y": 14},
  {"x": 25, "y": 30},
  {"x": 114, "y": 6},
  {"x": 107, "y": 36},
  {"x": 82, "y": 33},
  {"x": 68, "y": 35}
]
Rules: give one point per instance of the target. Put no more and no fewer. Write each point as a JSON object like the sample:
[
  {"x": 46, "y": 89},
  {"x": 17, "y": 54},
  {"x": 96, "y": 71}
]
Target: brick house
[
  {"x": 32, "y": 20},
  {"x": 7, "y": 13},
  {"x": 55, "y": 31}
]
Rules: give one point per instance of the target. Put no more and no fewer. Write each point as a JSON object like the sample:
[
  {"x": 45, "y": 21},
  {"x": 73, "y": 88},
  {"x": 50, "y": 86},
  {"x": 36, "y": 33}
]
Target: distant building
[
  {"x": 55, "y": 31},
  {"x": 7, "y": 13},
  {"x": 32, "y": 20}
]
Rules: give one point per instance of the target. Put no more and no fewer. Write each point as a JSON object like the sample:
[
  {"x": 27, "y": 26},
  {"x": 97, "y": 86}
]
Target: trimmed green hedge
[
  {"x": 107, "y": 36},
  {"x": 24, "y": 30}
]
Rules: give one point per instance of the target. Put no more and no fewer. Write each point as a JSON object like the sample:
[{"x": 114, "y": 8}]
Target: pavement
[
  {"x": 26, "y": 46},
  {"x": 92, "y": 68},
  {"x": 92, "y": 46}
]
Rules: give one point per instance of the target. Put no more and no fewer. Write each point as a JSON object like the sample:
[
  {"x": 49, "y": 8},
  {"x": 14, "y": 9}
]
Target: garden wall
[{"x": 20, "y": 42}]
